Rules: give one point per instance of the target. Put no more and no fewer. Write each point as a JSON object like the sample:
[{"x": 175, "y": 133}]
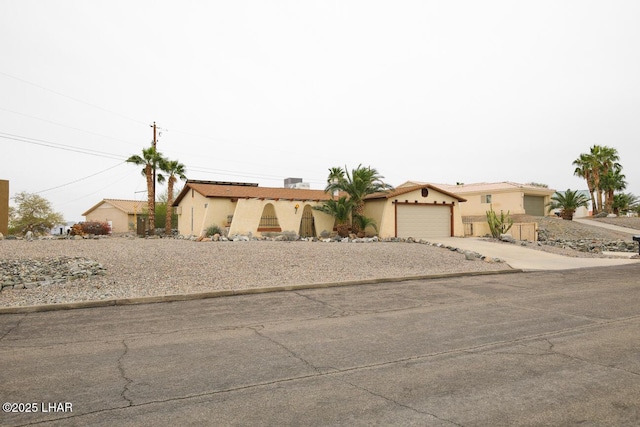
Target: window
[{"x": 485, "y": 198}]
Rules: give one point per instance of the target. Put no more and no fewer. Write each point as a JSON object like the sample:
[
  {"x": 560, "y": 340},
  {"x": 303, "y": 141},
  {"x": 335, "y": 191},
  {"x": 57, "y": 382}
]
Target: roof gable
[
  {"x": 407, "y": 188},
  {"x": 126, "y": 206}
]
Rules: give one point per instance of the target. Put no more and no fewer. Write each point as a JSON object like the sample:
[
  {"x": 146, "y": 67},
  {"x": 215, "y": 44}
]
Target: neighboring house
[
  {"x": 419, "y": 211},
  {"x": 61, "y": 229},
  {"x": 517, "y": 199},
  {"x": 122, "y": 215}
]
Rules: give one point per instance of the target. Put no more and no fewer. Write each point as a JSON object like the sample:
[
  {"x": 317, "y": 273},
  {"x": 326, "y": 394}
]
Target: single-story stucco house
[
  {"x": 418, "y": 211},
  {"x": 120, "y": 214},
  {"x": 517, "y": 199}
]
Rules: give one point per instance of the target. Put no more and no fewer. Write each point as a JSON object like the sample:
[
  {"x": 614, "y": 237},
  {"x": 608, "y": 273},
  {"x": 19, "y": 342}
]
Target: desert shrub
[
  {"x": 90, "y": 227},
  {"x": 213, "y": 230}
]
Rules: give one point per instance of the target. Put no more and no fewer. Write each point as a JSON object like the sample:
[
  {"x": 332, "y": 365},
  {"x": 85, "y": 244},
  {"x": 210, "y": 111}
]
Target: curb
[{"x": 226, "y": 293}]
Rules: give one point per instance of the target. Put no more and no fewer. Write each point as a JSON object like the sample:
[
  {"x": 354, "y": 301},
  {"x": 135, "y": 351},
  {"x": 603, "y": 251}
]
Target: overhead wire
[
  {"x": 81, "y": 179},
  {"x": 66, "y": 126},
  {"x": 51, "y": 144},
  {"x": 72, "y": 98}
]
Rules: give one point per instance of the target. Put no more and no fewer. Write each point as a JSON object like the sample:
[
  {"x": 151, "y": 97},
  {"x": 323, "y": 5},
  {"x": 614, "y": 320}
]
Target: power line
[
  {"x": 55, "y": 145},
  {"x": 66, "y": 126},
  {"x": 72, "y": 98},
  {"x": 81, "y": 179},
  {"x": 58, "y": 146}
]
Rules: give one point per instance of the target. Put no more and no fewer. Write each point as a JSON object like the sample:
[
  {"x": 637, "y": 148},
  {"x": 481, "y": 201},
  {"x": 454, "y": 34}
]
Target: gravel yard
[{"x": 136, "y": 267}]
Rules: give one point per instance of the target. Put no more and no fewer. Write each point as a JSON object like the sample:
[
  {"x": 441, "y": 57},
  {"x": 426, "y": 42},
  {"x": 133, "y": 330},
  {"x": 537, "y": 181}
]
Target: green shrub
[{"x": 213, "y": 230}]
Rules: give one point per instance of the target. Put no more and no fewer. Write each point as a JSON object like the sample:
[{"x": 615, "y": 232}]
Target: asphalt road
[{"x": 538, "y": 348}]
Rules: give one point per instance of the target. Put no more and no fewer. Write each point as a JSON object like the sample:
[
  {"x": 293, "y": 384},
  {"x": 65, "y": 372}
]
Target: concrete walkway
[
  {"x": 527, "y": 259},
  {"x": 608, "y": 226}
]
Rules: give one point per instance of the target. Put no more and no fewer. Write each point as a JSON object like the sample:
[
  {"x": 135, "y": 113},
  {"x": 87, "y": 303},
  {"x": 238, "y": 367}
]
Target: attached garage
[
  {"x": 418, "y": 211},
  {"x": 534, "y": 205},
  {"x": 424, "y": 221}
]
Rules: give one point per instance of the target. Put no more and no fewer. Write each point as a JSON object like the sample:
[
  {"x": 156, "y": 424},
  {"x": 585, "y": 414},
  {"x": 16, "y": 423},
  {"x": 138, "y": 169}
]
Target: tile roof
[
  {"x": 212, "y": 189},
  {"x": 126, "y": 206},
  {"x": 490, "y": 186}
]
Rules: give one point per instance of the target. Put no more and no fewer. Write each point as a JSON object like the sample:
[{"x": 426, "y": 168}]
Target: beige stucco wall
[
  {"x": 197, "y": 213},
  {"x": 248, "y": 212},
  {"x": 246, "y": 215},
  {"x": 379, "y": 211},
  {"x": 507, "y": 201},
  {"x": 512, "y": 201},
  {"x": 107, "y": 213},
  {"x": 384, "y": 213}
]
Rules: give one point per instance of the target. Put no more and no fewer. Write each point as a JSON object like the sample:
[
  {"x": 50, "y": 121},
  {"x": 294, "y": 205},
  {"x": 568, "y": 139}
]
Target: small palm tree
[
  {"x": 568, "y": 202},
  {"x": 340, "y": 209},
  {"x": 151, "y": 160},
  {"x": 625, "y": 202},
  {"x": 364, "y": 222},
  {"x": 174, "y": 169},
  {"x": 361, "y": 182}
]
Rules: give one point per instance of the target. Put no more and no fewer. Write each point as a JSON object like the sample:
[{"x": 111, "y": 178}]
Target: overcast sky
[{"x": 258, "y": 91}]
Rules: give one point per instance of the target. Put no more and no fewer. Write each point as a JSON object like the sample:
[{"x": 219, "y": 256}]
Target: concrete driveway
[
  {"x": 530, "y": 259},
  {"x": 527, "y": 259}
]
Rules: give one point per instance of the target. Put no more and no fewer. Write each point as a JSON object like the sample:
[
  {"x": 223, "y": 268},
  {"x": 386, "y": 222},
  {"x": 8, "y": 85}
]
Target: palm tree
[
  {"x": 625, "y": 202},
  {"x": 584, "y": 169},
  {"x": 151, "y": 160},
  {"x": 607, "y": 159},
  {"x": 567, "y": 202},
  {"x": 362, "y": 182},
  {"x": 340, "y": 209},
  {"x": 611, "y": 182},
  {"x": 174, "y": 169},
  {"x": 594, "y": 167}
]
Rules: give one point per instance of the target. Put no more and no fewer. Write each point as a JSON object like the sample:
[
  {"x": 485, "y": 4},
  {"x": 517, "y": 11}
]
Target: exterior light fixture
[{"x": 296, "y": 207}]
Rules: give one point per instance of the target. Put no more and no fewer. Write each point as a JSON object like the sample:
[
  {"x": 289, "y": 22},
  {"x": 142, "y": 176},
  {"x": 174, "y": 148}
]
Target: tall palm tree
[
  {"x": 361, "y": 182},
  {"x": 612, "y": 181},
  {"x": 584, "y": 169},
  {"x": 607, "y": 160},
  {"x": 594, "y": 167},
  {"x": 150, "y": 160},
  {"x": 174, "y": 169},
  {"x": 567, "y": 202}
]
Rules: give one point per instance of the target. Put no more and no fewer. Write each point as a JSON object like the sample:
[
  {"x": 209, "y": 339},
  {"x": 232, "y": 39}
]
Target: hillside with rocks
[{"x": 583, "y": 238}]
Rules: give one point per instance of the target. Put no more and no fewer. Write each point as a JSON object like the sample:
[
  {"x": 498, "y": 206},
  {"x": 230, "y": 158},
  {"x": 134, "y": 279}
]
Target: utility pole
[{"x": 152, "y": 227}]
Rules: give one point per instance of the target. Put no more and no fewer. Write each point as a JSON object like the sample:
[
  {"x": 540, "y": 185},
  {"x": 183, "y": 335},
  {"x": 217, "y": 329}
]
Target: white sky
[{"x": 258, "y": 91}]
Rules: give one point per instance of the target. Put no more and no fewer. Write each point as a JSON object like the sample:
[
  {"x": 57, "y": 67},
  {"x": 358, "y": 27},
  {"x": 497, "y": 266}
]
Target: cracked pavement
[{"x": 538, "y": 348}]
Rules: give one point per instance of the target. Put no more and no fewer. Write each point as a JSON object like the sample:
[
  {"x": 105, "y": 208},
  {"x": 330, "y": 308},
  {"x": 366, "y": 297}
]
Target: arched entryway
[
  {"x": 307, "y": 224},
  {"x": 269, "y": 220}
]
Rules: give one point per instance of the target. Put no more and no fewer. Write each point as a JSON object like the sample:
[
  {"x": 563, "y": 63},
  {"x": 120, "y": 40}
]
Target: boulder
[{"x": 507, "y": 238}]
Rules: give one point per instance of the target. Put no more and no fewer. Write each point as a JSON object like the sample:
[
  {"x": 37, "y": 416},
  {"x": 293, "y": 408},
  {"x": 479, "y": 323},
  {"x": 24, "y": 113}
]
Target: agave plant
[{"x": 568, "y": 202}]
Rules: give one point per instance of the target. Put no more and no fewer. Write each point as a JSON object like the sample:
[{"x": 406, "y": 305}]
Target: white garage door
[{"x": 424, "y": 221}]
